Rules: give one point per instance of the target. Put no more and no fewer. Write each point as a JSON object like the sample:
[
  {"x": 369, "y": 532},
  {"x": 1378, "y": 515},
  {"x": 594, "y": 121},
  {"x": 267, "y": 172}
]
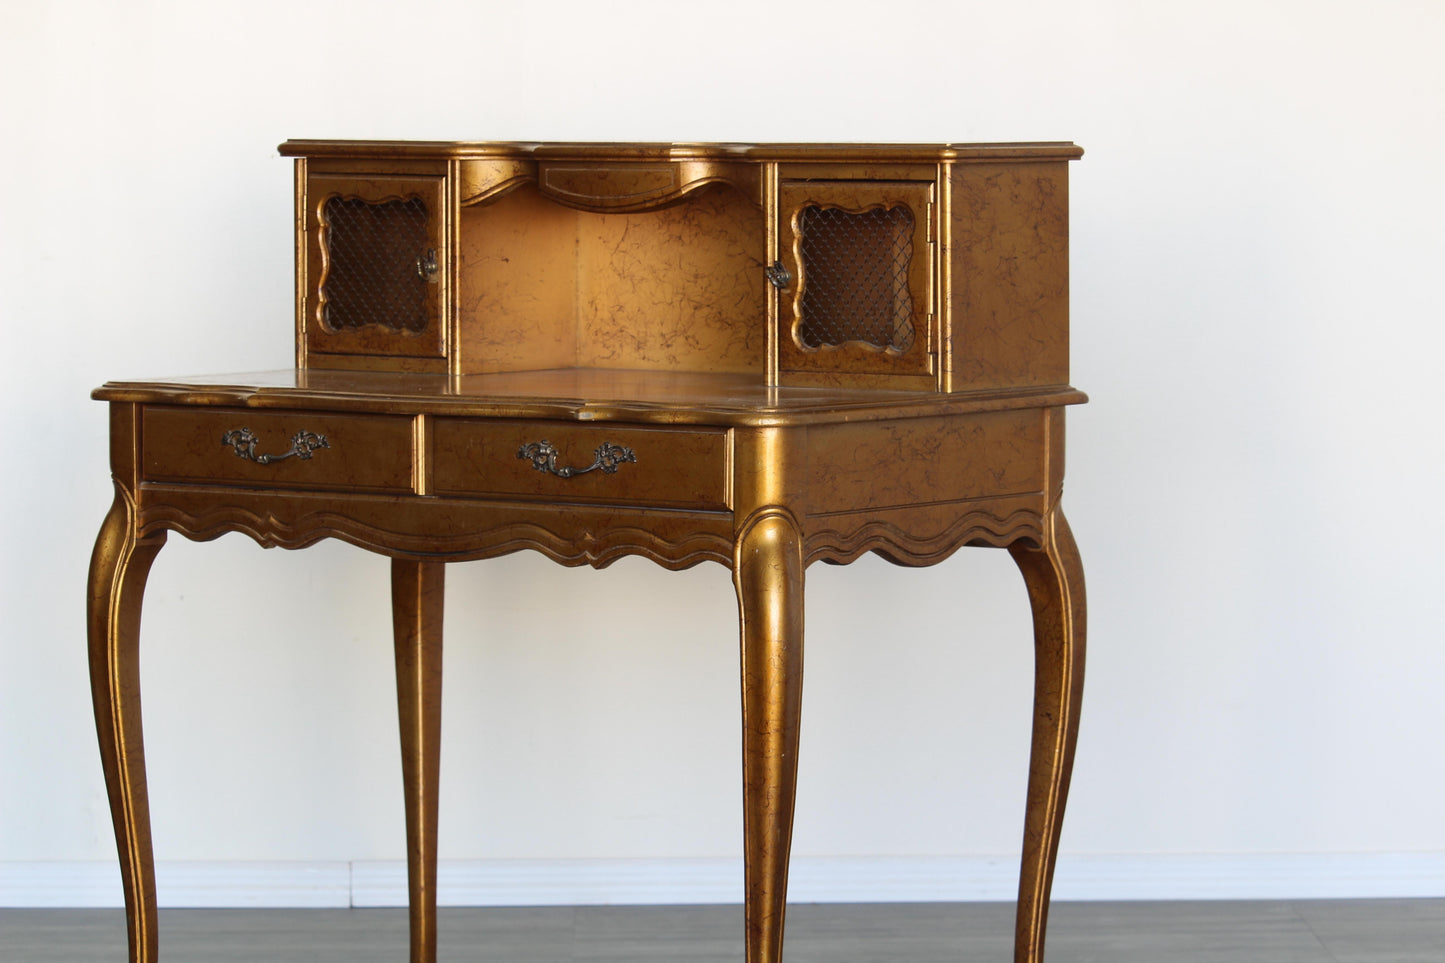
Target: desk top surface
[{"x": 572, "y": 394}]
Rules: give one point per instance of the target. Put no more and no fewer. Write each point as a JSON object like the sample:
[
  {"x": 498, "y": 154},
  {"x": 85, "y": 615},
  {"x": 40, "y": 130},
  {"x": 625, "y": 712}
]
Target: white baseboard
[
  {"x": 544, "y": 882},
  {"x": 180, "y": 885}
]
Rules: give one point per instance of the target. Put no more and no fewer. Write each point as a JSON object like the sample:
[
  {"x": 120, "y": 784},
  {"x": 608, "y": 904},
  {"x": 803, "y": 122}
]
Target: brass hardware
[
  {"x": 608, "y": 456},
  {"x": 778, "y": 275},
  {"x": 243, "y": 441},
  {"x": 426, "y": 266}
]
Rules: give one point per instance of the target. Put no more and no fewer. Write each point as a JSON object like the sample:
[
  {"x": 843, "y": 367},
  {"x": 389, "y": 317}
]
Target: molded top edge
[
  {"x": 581, "y": 394},
  {"x": 1053, "y": 150}
]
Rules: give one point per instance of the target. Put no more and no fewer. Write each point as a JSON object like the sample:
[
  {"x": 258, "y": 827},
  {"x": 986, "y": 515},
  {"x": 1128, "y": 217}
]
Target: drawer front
[
  {"x": 282, "y": 449},
  {"x": 557, "y": 461}
]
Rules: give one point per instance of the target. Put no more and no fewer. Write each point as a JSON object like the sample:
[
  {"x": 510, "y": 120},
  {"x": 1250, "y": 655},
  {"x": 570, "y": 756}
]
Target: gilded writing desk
[{"x": 757, "y": 355}]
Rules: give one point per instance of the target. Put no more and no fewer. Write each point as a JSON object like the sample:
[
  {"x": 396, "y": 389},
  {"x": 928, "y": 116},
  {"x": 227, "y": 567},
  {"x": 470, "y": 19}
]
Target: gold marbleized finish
[
  {"x": 118, "y": 568},
  {"x": 416, "y": 605},
  {"x": 670, "y": 247},
  {"x": 365, "y": 453},
  {"x": 518, "y": 287},
  {"x": 768, "y": 574},
  {"x": 768, "y": 565},
  {"x": 579, "y": 394},
  {"x": 377, "y": 194},
  {"x": 914, "y": 366},
  {"x": 677, "y": 289},
  {"x": 481, "y": 180},
  {"x": 1009, "y": 226},
  {"x": 395, "y": 151},
  {"x": 1055, "y": 579},
  {"x": 607, "y": 368},
  {"x": 673, "y": 467},
  {"x": 633, "y": 185},
  {"x": 925, "y": 461},
  {"x": 680, "y": 289}
]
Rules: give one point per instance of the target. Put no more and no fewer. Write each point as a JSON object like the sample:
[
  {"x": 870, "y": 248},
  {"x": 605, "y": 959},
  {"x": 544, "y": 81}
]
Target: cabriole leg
[
  {"x": 1055, "y": 580},
  {"x": 118, "y": 569},
  {"x": 768, "y": 574},
  {"x": 417, "y": 590}
]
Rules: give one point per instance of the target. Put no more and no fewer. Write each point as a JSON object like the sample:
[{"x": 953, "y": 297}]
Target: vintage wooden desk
[{"x": 762, "y": 356}]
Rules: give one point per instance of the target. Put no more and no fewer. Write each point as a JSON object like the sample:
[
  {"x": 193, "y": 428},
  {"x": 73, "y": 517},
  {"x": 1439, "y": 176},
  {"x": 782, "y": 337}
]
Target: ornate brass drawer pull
[
  {"x": 243, "y": 441},
  {"x": 608, "y": 456}
]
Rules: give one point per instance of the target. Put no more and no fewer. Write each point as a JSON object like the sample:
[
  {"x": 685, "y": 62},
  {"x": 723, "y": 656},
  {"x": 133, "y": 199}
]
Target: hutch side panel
[
  {"x": 1009, "y": 255},
  {"x": 376, "y": 265}
]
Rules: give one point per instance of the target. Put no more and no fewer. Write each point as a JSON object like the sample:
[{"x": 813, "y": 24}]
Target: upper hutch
[{"x": 917, "y": 268}]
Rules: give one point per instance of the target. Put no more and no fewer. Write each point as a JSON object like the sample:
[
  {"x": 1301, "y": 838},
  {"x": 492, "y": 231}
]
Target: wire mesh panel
[
  {"x": 374, "y": 264},
  {"x": 855, "y": 270}
]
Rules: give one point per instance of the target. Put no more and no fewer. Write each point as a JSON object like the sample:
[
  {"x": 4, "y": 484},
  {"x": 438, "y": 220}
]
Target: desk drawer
[
  {"x": 282, "y": 449},
  {"x": 562, "y": 461}
]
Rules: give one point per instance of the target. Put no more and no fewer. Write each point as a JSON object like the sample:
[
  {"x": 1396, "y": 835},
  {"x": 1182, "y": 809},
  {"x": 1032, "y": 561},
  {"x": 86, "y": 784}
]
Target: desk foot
[
  {"x": 417, "y": 590},
  {"x": 1055, "y": 579},
  {"x": 768, "y": 574},
  {"x": 118, "y": 570}
]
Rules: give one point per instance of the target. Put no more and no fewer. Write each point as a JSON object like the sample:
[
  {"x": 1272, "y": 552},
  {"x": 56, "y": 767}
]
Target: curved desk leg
[
  {"x": 118, "y": 570},
  {"x": 768, "y": 574},
  {"x": 1055, "y": 580},
  {"x": 416, "y": 611}
]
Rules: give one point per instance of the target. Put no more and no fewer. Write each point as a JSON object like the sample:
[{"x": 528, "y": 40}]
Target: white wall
[{"x": 1257, "y": 255}]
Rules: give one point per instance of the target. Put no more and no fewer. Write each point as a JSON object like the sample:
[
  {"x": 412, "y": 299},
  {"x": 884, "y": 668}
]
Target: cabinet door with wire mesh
[
  {"x": 375, "y": 266},
  {"x": 856, "y": 281}
]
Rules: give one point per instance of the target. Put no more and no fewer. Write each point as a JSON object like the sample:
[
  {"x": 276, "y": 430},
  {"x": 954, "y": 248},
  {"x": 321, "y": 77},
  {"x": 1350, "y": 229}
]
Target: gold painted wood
[
  {"x": 518, "y": 285},
  {"x": 672, "y": 243},
  {"x": 600, "y": 380},
  {"x": 546, "y": 286},
  {"x": 924, "y": 534},
  {"x": 593, "y": 185},
  {"x": 376, "y": 194},
  {"x": 684, "y": 467},
  {"x": 456, "y": 529},
  {"x": 416, "y": 605},
  {"x": 924, "y": 461},
  {"x": 1055, "y": 579},
  {"x": 393, "y": 150},
  {"x": 768, "y": 575},
  {"x": 118, "y": 569},
  {"x": 485, "y": 180},
  {"x": 891, "y": 366},
  {"x": 361, "y": 452},
  {"x": 575, "y": 394},
  {"x": 1009, "y": 262},
  {"x": 768, "y": 567},
  {"x": 679, "y": 289}
]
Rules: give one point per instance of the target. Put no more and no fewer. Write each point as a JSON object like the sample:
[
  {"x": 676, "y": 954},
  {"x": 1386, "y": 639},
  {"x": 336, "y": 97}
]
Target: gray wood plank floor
[{"x": 1325, "y": 931}]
